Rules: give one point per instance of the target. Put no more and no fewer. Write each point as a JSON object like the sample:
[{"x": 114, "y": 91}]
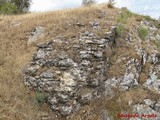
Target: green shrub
[
  {"x": 119, "y": 30},
  {"x": 148, "y": 18},
  {"x": 157, "y": 24},
  {"x": 8, "y": 8},
  {"x": 123, "y": 17},
  {"x": 143, "y": 32},
  {"x": 40, "y": 98}
]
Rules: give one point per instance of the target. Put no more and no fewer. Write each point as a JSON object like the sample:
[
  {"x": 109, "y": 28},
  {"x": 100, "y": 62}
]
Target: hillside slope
[{"x": 120, "y": 52}]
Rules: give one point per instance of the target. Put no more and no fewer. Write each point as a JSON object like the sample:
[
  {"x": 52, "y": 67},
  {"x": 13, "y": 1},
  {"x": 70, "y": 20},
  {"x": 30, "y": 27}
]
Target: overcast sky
[{"x": 147, "y": 7}]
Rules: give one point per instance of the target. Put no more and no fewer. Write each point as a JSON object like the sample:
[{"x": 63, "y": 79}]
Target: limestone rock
[
  {"x": 128, "y": 81},
  {"x": 37, "y": 32},
  {"x": 86, "y": 98},
  {"x": 66, "y": 110}
]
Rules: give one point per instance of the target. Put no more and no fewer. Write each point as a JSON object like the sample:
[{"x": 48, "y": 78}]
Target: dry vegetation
[{"x": 16, "y": 101}]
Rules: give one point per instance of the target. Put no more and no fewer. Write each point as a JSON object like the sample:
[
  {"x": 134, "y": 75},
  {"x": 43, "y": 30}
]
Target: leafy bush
[
  {"x": 22, "y": 5},
  {"x": 14, "y": 6},
  {"x": 123, "y": 17},
  {"x": 8, "y": 8},
  {"x": 119, "y": 30},
  {"x": 143, "y": 32},
  {"x": 88, "y": 2},
  {"x": 40, "y": 98}
]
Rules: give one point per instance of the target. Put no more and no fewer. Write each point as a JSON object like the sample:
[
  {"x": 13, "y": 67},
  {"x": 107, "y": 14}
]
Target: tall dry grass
[{"x": 16, "y": 101}]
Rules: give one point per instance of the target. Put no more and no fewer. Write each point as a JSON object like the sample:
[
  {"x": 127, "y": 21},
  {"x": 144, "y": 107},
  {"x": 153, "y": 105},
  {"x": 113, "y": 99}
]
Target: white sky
[{"x": 148, "y": 7}]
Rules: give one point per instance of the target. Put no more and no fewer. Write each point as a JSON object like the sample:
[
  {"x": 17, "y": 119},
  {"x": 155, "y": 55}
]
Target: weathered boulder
[
  {"x": 153, "y": 83},
  {"x": 37, "y": 32}
]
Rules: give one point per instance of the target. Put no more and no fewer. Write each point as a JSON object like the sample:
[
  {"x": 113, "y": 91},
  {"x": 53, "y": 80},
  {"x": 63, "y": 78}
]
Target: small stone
[
  {"x": 42, "y": 45},
  {"x": 94, "y": 23},
  {"x": 66, "y": 110},
  {"x": 16, "y": 23},
  {"x": 40, "y": 54},
  {"x": 53, "y": 100},
  {"x": 37, "y": 32},
  {"x": 65, "y": 63},
  {"x": 80, "y": 24},
  {"x": 67, "y": 79},
  {"x": 55, "y": 107},
  {"x": 86, "y": 98},
  {"x": 76, "y": 107},
  {"x": 157, "y": 106},
  {"x": 93, "y": 83},
  {"x": 157, "y": 37},
  {"x": 62, "y": 97},
  {"x": 84, "y": 55},
  {"x": 88, "y": 41},
  {"x": 149, "y": 102},
  {"x": 75, "y": 73},
  {"x": 152, "y": 38},
  {"x": 85, "y": 63},
  {"x": 98, "y": 54},
  {"x": 46, "y": 75}
]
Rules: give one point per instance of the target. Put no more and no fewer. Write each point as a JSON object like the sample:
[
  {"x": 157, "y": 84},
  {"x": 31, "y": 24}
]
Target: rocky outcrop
[
  {"x": 69, "y": 80},
  {"x": 148, "y": 110},
  {"x": 74, "y": 72}
]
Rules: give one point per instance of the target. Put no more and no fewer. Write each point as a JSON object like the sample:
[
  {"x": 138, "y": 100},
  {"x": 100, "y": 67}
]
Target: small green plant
[
  {"x": 39, "y": 98},
  {"x": 8, "y": 8},
  {"x": 157, "y": 25},
  {"x": 119, "y": 30},
  {"x": 123, "y": 17},
  {"x": 148, "y": 18},
  {"x": 158, "y": 44},
  {"x": 143, "y": 32}
]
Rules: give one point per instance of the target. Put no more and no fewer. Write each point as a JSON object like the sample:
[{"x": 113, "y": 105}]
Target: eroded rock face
[
  {"x": 153, "y": 82},
  {"x": 74, "y": 72},
  {"x": 146, "y": 111},
  {"x": 69, "y": 80}
]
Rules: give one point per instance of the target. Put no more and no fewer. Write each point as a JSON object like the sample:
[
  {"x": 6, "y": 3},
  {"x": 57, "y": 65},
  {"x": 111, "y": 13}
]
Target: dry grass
[
  {"x": 122, "y": 50},
  {"x": 137, "y": 95},
  {"x": 16, "y": 101},
  {"x": 134, "y": 95},
  {"x": 110, "y": 6},
  {"x": 144, "y": 74}
]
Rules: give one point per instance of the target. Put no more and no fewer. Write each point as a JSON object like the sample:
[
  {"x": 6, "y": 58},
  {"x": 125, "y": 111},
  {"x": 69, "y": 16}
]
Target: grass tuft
[
  {"x": 123, "y": 17},
  {"x": 157, "y": 25},
  {"x": 148, "y": 18},
  {"x": 39, "y": 98},
  {"x": 143, "y": 32},
  {"x": 119, "y": 30},
  {"x": 158, "y": 44}
]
